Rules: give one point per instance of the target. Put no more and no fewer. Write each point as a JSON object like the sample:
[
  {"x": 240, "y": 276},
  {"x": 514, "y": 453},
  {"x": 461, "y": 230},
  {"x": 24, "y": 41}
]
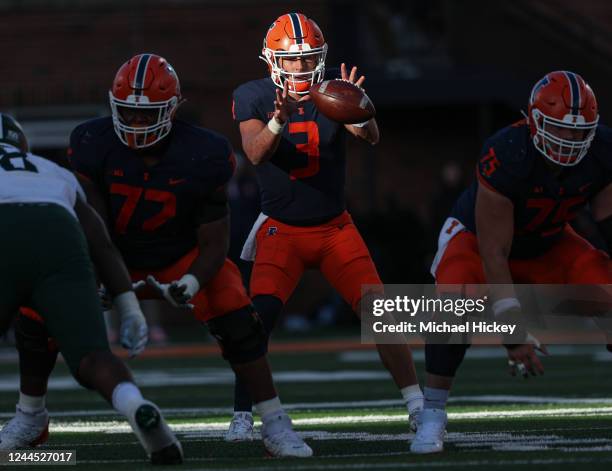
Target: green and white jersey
[{"x": 28, "y": 178}]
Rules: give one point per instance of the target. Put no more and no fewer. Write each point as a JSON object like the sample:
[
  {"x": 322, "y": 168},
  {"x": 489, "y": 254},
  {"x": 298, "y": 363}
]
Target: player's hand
[
  {"x": 106, "y": 302},
  {"x": 139, "y": 285},
  {"x": 285, "y": 105},
  {"x": 176, "y": 293},
  {"x": 523, "y": 360},
  {"x": 352, "y": 77},
  {"x": 133, "y": 331}
]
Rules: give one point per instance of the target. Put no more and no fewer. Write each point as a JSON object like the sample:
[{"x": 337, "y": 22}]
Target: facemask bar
[
  {"x": 297, "y": 80},
  {"x": 144, "y": 136},
  {"x": 565, "y": 152}
]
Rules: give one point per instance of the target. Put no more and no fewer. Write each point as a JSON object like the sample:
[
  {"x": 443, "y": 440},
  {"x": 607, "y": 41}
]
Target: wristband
[
  {"x": 275, "y": 127},
  {"x": 126, "y": 303},
  {"x": 192, "y": 283},
  {"x": 361, "y": 125}
]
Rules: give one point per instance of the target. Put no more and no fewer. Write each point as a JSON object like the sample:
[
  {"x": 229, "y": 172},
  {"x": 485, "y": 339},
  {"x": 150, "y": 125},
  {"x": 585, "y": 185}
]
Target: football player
[
  {"x": 533, "y": 178},
  {"x": 159, "y": 183},
  {"x": 299, "y": 157},
  {"x": 54, "y": 275}
]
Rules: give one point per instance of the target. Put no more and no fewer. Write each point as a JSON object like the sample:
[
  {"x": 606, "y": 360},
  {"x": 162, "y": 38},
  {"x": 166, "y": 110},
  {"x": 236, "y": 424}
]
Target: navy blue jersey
[
  {"x": 154, "y": 212},
  {"x": 303, "y": 183},
  {"x": 543, "y": 202}
]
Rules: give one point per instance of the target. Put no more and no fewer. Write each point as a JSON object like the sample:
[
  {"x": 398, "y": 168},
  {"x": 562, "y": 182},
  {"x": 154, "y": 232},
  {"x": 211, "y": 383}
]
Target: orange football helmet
[
  {"x": 293, "y": 35},
  {"x": 144, "y": 98},
  {"x": 563, "y": 117}
]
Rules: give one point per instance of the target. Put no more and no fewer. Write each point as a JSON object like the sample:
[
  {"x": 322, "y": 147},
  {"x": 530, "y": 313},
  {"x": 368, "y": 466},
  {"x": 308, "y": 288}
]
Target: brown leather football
[{"x": 342, "y": 101}]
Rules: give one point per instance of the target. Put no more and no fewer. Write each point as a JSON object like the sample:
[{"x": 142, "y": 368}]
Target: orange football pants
[
  {"x": 224, "y": 293},
  {"x": 571, "y": 260},
  {"x": 335, "y": 248}
]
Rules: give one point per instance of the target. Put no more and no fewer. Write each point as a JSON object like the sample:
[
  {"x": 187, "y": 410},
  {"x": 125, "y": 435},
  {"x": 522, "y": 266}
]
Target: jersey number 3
[
  {"x": 132, "y": 196},
  {"x": 311, "y": 148}
]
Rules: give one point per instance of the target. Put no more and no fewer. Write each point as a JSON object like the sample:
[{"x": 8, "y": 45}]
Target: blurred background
[{"x": 444, "y": 74}]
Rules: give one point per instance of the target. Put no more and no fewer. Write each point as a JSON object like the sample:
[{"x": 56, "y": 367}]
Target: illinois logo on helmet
[
  {"x": 563, "y": 117},
  {"x": 144, "y": 98},
  {"x": 294, "y": 36}
]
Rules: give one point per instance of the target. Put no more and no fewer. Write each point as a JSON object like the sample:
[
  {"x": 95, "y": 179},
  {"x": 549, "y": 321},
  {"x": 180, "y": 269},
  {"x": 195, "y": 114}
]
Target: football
[{"x": 342, "y": 101}]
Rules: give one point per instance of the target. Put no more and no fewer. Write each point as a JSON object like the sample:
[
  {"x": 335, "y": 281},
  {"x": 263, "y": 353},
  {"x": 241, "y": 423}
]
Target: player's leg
[
  {"x": 460, "y": 264},
  {"x": 67, "y": 299},
  {"x": 276, "y": 272},
  {"x": 274, "y": 277},
  {"x": 347, "y": 265},
  {"x": 244, "y": 342},
  {"x": 37, "y": 356},
  {"x": 577, "y": 262},
  {"x": 241, "y": 426},
  {"x": 18, "y": 272}
]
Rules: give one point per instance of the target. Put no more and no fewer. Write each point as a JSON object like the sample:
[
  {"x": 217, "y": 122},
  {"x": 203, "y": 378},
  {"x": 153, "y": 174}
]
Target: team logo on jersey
[{"x": 272, "y": 230}]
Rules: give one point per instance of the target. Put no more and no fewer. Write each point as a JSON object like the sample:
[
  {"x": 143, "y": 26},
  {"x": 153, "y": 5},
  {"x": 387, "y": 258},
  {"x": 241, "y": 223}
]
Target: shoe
[
  {"x": 430, "y": 434},
  {"x": 280, "y": 440},
  {"x": 414, "y": 419},
  {"x": 25, "y": 430},
  {"x": 155, "y": 436},
  {"x": 240, "y": 428}
]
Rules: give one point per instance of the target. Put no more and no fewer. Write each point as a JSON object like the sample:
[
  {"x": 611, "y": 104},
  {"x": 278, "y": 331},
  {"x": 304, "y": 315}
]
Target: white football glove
[
  {"x": 179, "y": 292},
  {"x": 133, "y": 332},
  {"x": 105, "y": 298}
]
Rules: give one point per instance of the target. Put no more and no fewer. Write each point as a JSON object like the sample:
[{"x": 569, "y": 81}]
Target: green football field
[{"x": 347, "y": 408}]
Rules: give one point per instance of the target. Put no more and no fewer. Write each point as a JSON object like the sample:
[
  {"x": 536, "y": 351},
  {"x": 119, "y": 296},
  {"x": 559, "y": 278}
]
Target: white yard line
[
  {"x": 196, "y": 425},
  {"x": 480, "y": 399}
]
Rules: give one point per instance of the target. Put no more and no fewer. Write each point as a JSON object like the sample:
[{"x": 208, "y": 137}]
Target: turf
[{"x": 348, "y": 410}]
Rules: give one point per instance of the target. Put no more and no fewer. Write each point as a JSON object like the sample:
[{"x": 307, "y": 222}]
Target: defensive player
[
  {"x": 53, "y": 275},
  {"x": 160, "y": 185},
  {"x": 299, "y": 158},
  {"x": 533, "y": 178}
]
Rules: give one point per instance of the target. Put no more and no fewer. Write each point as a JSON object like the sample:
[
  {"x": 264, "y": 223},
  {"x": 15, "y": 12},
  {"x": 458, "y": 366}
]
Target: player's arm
[
  {"x": 213, "y": 237},
  {"x": 213, "y": 243},
  {"x": 260, "y": 140},
  {"x": 601, "y": 209},
  {"x": 367, "y": 131},
  {"x": 94, "y": 196},
  {"x": 105, "y": 256},
  {"x": 495, "y": 228}
]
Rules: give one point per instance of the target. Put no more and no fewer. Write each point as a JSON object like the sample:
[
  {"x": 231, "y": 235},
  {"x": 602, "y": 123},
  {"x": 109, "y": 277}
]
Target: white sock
[
  {"x": 127, "y": 398},
  {"x": 269, "y": 407},
  {"x": 31, "y": 404},
  {"x": 435, "y": 398},
  {"x": 413, "y": 397}
]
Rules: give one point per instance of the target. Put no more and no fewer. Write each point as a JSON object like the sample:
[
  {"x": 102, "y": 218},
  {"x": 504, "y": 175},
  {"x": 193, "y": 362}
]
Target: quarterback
[{"x": 300, "y": 159}]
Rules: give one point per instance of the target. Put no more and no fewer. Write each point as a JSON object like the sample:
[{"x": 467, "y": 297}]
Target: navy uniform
[
  {"x": 302, "y": 195},
  {"x": 154, "y": 211},
  {"x": 544, "y": 248}
]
